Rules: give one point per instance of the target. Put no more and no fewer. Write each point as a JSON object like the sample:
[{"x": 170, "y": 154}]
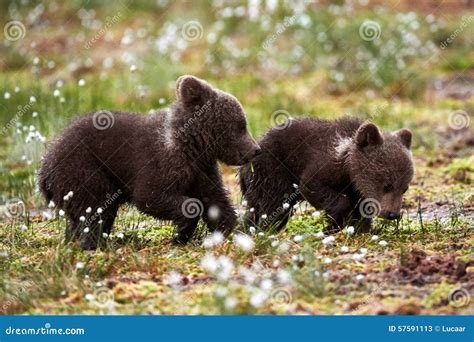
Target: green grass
[{"x": 322, "y": 69}]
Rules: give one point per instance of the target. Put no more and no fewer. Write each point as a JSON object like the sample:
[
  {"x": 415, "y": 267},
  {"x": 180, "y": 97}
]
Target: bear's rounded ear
[
  {"x": 368, "y": 134},
  {"x": 405, "y": 136},
  {"x": 192, "y": 91}
]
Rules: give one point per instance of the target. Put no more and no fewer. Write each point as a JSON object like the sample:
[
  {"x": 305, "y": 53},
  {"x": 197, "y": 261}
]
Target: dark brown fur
[
  {"x": 156, "y": 162},
  {"x": 334, "y": 165}
]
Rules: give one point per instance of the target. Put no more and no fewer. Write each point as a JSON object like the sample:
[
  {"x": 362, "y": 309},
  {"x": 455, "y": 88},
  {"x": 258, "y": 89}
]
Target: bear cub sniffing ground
[
  {"x": 165, "y": 164},
  {"x": 346, "y": 167}
]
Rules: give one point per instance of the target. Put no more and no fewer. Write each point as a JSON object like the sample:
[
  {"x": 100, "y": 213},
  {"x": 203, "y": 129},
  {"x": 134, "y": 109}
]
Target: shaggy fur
[
  {"x": 164, "y": 164},
  {"x": 333, "y": 165}
]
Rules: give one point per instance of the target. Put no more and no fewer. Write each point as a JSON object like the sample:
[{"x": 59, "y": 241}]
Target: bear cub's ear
[
  {"x": 192, "y": 91},
  {"x": 368, "y": 134},
  {"x": 405, "y": 136}
]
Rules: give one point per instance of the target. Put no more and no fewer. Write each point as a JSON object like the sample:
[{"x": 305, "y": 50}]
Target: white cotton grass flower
[
  {"x": 360, "y": 277},
  {"x": 327, "y": 241},
  {"x": 276, "y": 263},
  {"x": 363, "y": 250},
  {"x": 344, "y": 249},
  {"x": 82, "y": 219},
  {"x": 61, "y": 212},
  {"x": 89, "y": 297},
  {"x": 295, "y": 185},
  {"x": 357, "y": 257},
  {"x": 161, "y": 101},
  {"x": 327, "y": 260},
  {"x": 80, "y": 265},
  {"x": 266, "y": 284},
  {"x": 105, "y": 235},
  {"x": 244, "y": 242},
  {"x": 81, "y": 83},
  {"x": 286, "y": 205},
  {"x": 244, "y": 203},
  {"x": 258, "y": 298},
  {"x": 6, "y": 95},
  {"x": 316, "y": 214},
  {"x": 350, "y": 230},
  {"x": 133, "y": 68},
  {"x": 209, "y": 263},
  {"x": 17, "y": 89},
  {"x": 284, "y": 277},
  {"x": 88, "y": 210},
  {"x": 264, "y": 216},
  {"x": 24, "y": 228},
  {"x": 213, "y": 240},
  {"x": 383, "y": 243},
  {"x": 221, "y": 292},
  {"x": 56, "y": 93},
  {"x": 100, "y": 221},
  {"x": 374, "y": 238},
  {"x": 261, "y": 234},
  {"x": 100, "y": 210},
  {"x": 120, "y": 236},
  {"x": 319, "y": 235},
  {"x": 34, "y": 114},
  {"x": 230, "y": 303},
  {"x": 32, "y": 99},
  {"x": 86, "y": 230},
  {"x": 252, "y": 230},
  {"x": 252, "y": 210},
  {"x": 225, "y": 268},
  {"x": 51, "y": 204},
  {"x": 298, "y": 238}
]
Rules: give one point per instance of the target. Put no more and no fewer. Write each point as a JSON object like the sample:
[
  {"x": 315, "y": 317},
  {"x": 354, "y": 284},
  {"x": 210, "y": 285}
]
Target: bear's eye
[{"x": 387, "y": 187}]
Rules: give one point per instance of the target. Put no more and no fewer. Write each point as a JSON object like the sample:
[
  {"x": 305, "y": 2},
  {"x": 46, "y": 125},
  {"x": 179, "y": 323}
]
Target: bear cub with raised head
[
  {"x": 346, "y": 167},
  {"x": 165, "y": 164}
]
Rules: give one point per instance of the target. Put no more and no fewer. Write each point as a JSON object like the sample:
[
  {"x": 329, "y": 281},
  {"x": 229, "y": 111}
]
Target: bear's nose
[{"x": 393, "y": 216}]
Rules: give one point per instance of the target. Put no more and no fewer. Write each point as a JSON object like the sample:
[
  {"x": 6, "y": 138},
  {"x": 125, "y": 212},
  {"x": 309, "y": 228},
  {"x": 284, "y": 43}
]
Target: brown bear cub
[
  {"x": 165, "y": 164},
  {"x": 346, "y": 167}
]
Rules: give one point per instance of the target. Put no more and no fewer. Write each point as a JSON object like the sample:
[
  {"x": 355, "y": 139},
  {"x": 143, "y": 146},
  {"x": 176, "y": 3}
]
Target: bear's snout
[{"x": 390, "y": 215}]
